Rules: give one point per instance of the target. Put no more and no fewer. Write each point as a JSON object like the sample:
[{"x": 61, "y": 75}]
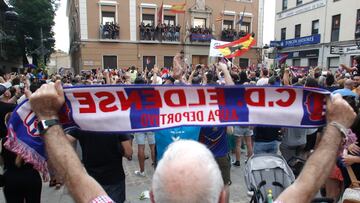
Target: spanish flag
[
  {"x": 237, "y": 47},
  {"x": 178, "y": 8}
]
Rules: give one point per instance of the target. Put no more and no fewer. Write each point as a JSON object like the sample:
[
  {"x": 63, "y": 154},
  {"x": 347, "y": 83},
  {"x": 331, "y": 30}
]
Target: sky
[{"x": 61, "y": 28}]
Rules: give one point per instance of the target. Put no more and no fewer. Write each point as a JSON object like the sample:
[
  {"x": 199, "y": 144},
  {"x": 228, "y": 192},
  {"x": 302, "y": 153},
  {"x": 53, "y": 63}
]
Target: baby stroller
[{"x": 264, "y": 172}]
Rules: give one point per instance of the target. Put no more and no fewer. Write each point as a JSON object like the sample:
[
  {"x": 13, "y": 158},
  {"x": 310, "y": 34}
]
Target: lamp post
[
  {"x": 41, "y": 50},
  {"x": 11, "y": 17},
  {"x": 7, "y": 34}
]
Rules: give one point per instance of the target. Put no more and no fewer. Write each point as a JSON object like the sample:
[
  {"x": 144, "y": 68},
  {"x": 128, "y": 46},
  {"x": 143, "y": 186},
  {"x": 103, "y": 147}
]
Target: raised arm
[
  {"x": 321, "y": 162},
  {"x": 191, "y": 77},
  {"x": 286, "y": 77},
  {"x": 107, "y": 77},
  {"x": 46, "y": 102},
  {"x": 227, "y": 76},
  {"x": 155, "y": 71},
  {"x": 347, "y": 68}
]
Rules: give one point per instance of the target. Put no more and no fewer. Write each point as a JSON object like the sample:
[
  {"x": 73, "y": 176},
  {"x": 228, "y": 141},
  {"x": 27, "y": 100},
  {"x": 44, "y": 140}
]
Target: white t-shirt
[
  {"x": 158, "y": 80},
  {"x": 262, "y": 81}
]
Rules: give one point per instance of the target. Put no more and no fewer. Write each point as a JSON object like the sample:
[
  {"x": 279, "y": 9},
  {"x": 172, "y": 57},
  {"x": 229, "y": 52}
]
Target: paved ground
[{"x": 135, "y": 185}]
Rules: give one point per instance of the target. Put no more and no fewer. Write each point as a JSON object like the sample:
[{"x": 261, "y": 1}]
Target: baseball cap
[{"x": 4, "y": 86}]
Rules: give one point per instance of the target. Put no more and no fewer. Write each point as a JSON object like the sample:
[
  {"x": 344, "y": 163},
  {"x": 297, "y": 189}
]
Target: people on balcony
[
  {"x": 161, "y": 32},
  {"x": 142, "y": 31},
  {"x": 110, "y": 30},
  {"x": 177, "y": 33},
  {"x": 200, "y": 34},
  {"x": 231, "y": 34}
]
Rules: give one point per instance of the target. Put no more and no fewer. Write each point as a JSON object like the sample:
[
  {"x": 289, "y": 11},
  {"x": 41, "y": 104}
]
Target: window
[
  {"x": 108, "y": 17},
  {"x": 169, "y": 20},
  {"x": 298, "y": 2},
  {"x": 200, "y": 22},
  {"x": 297, "y": 30},
  {"x": 243, "y": 63},
  {"x": 168, "y": 61},
  {"x": 313, "y": 62},
  {"x": 315, "y": 27},
  {"x": 149, "y": 62},
  {"x": 110, "y": 62},
  {"x": 333, "y": 62},
  {"x": 357, "y": 28},
  {"x": 148, "y": 19},
  {"x": 228, "y": 24},
  {"x": 283, "y": 33},
  {"x": 335, "y": 28},
  {"x": 245, "y": 26},
  {"x": 284, "y": 4},
  {"x": 296, "y": 62}
]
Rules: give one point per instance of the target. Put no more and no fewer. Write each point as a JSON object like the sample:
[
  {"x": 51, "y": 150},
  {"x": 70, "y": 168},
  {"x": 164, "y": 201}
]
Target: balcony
[
  {"x": 198, "y": 34},
  {"x": 109, "y": 31},
  {"x": 161, "y": 33},
  {"x": 230, "y": 35}
]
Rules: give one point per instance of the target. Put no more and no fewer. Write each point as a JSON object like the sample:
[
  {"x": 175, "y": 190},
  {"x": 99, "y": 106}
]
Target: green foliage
[{"x": 35, "y": 15}]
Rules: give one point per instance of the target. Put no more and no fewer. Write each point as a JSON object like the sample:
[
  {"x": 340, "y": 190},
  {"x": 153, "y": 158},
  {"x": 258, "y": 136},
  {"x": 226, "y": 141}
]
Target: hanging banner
[
  {"x": 299, "y": 71},
  {"x": 301, "y": 41}
]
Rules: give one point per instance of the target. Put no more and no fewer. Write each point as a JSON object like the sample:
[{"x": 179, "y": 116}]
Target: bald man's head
[
  {"x": 349, "y": 84},
  {"x": 187, "y": 173}
]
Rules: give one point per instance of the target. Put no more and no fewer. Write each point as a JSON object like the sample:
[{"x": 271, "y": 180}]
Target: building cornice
[
  {"x": 107, "y": 3},
  {"x": 149, "y": 42},
  {"x": 147, "y": 5},
  {"x": 305, "y": 7}
]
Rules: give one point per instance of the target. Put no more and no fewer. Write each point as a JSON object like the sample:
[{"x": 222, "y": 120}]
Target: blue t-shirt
[
  {"x": 345, "y": 92},
  {"x": 215, "y": 139},
  {"x": 165, "y": 137},
  {"x": 39, "y": 75}
]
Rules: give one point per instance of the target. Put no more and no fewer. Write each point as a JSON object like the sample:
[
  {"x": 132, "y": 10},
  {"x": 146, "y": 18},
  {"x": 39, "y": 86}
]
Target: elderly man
[
  {"x": 347, "y": 90},
  {"x": 187, "y": 172},
  {"x": 47, "y": 101}
]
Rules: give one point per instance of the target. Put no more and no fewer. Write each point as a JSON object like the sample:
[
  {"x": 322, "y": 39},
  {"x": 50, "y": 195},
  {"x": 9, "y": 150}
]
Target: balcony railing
[
  {"x": 230, "y": 35},
  {"x": 109, "y": 31},
  {"x": 160, "y": 33},
  {"x": 200, "y": 34}
]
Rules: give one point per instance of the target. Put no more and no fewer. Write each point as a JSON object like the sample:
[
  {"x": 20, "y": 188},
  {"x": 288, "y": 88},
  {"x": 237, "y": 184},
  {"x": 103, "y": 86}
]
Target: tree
[{"x": 34, "y": 16}]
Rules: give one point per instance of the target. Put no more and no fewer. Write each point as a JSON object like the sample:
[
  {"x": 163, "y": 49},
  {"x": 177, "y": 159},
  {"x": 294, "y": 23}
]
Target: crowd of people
[
  {"x": 199, "y": 33},
  {"x": 99, "y": 176},
  {"x": 230, "y": 35},
  {"x": 110, "y": 30},
  {"x": 162, "y": 32}
]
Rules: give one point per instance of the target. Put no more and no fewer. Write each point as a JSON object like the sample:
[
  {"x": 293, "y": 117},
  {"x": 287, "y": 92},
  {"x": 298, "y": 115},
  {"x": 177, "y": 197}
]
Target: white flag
[{"x": 214, "y": 52}]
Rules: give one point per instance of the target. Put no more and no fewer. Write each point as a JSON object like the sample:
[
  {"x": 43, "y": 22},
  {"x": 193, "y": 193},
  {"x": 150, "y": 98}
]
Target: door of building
[{"x": 198, "y": 59}]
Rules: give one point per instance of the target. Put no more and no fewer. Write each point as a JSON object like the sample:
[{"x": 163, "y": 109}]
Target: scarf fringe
[{"x": 28, "y": 155}]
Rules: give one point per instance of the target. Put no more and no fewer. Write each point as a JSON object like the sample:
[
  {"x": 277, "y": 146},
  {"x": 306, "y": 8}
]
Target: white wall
[
  {"x": 348, "y": 10},
  {"x": 305, "y": 19}
]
